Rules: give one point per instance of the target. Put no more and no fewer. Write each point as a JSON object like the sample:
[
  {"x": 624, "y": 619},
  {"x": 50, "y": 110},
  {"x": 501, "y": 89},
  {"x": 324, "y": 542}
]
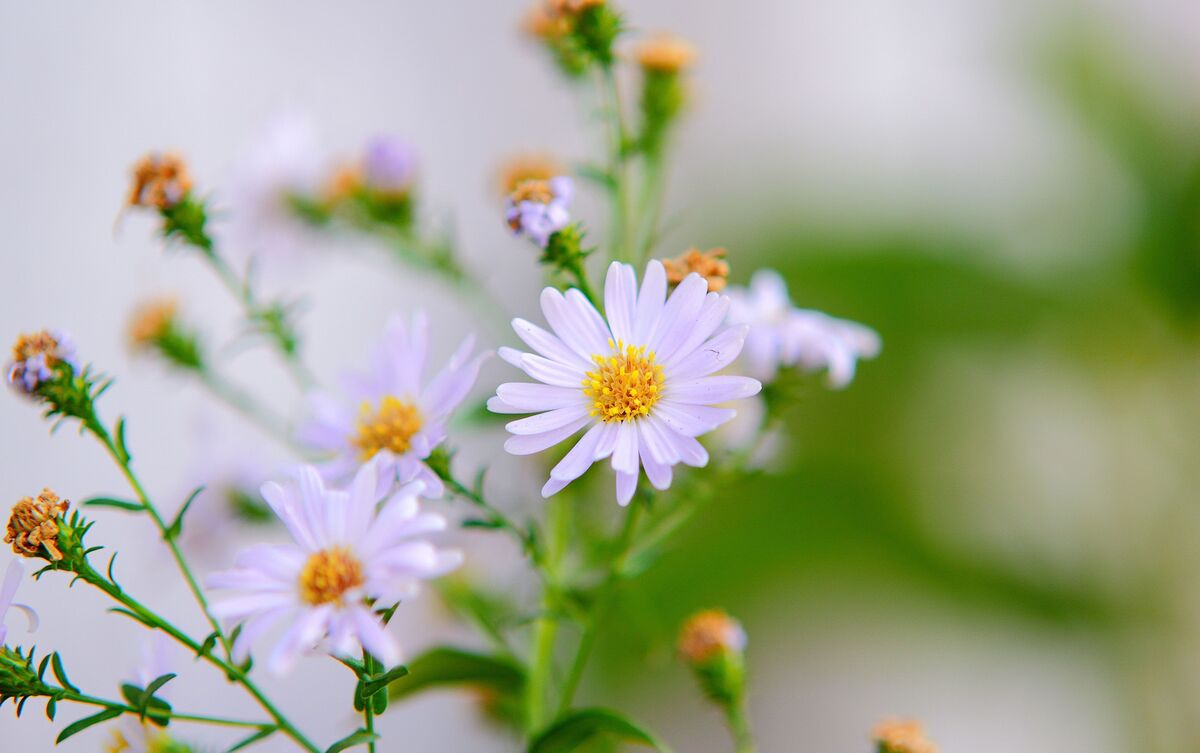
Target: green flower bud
[
  {"x": 155, "y": 326},
  {"x": 714, "y": 644},
  {"x": 19, "y": 678}
]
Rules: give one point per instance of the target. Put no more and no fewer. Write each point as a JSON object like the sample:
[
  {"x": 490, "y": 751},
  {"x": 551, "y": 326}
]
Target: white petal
[
  {"x": 511, "y": 356},
  {"x": 712, "y": 315},
  {"x": 375, "y": 638},
  {"x": 712, "y": 390},
  {"x": 302, "y": 636},
  {"x": 581, "y": 456},
  {"x": 596, "y": 328},
  {"x": 535, "y": 398},
  {"x": 658, "y": 473},
  {"x": 679, "y": 314},
  {"x": 553, "y": 486},
  {"x": 620, "y": 292},
  {"x": 692, "y": 420},
  {"x": 12, "y": 580},
  {"x": 625, "y": 454},
  {"x": 571, "y": 326},
  {"x": 547, "y": 344},
  {"x": 690, "y": 451},
  {"x": 626, "y": 486},
  {"x": 650, "y": 301},
  {"x": 548, "y": 421},
  {"x": 655, "y": 441},
  {"x": 715, "y": 354},
  {"x": 497, "y": 405},
  {"x": 552, "y": 372},
  {"x": 528, "y": 444}
]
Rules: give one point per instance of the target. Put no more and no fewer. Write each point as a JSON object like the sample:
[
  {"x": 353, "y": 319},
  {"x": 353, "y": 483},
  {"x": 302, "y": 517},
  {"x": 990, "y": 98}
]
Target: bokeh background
[{"x": 992, "y": 529}]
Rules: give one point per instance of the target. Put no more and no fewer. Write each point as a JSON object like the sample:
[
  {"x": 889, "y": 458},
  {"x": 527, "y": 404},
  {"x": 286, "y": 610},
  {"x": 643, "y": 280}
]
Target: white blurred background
[{"x": 918, "y": 111}]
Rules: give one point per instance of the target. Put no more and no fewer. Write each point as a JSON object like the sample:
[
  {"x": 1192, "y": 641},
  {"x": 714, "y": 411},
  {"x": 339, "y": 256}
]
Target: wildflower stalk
[
  {"x": 651, "y": 201},
  {"x": 545, "y": 629},
  {"x": 89, "y": 700},
  {"x": 234, "y": 673},
  {"x": 618, "y": 140},
  {"x": 739, "y": 727}
]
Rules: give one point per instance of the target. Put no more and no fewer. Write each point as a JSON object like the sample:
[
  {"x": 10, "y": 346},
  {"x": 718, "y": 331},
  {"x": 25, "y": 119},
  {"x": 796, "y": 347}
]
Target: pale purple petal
[
  {"x": 712, "y": 390},
  {"x": 530, "y": 443},
  {"x": 714, "y": 355},
  {"x": 620, "y": 299}
]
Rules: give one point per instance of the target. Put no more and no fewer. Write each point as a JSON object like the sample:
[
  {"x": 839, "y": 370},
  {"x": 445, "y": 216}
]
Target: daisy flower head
[
  {"x": 349, "y": 554},
  {"x": 782, "y": 335},
  {"x": 8, "y": 590},
  {"x": 641, "y": 379},
  {"x": 539, "y": 208},
  {"x": 35, "y": 356},
  {"x": 390, "y": 412}
]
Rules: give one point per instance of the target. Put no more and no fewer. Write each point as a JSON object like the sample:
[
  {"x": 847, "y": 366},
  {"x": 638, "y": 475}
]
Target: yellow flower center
[
  {"x": 328, "y": 575},
  {"x": 391, "y": 427},
  {"x": 625, "y": 384}
]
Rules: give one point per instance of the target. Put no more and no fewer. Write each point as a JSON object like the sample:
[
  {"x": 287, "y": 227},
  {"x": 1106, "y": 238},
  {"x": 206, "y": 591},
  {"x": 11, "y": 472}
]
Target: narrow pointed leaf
[
  {"x": 578, "y": 727},
  {"x": 360, "y": 737},
  {"x": 259, "y": 736},
  {"x": 120, "y": 504},
  {"x": 445, "y": 666},
  {"x": 79, "y": 726}
]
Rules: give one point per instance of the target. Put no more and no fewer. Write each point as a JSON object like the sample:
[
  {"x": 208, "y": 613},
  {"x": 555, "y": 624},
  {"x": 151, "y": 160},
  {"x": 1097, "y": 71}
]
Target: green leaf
[
  {"x": 373, "y": 685},
  {"x": 176, "y": 526},
  {"x": 120, "y": 504},
  {"x": 359, "y": 737},
  {"x": 51, "y": 708},
  {"x": 445, "y": 666},
  {"x": 82, "y": 724},
  {"x": 578, "y": 727},
  {"x": 134, "y": 615},
  {"x": 61, "y": 674},
  {"x": 262, "y": 734},
  {"x": 147, "y": 696}
]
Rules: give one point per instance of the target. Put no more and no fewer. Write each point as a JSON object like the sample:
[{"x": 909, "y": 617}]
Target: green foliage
[
  {"x": 579, "y": 727},
  {"x": 358, "y": 737},
  {"x": 89, "y": 721},
  {"x": 450, "y": 667}
]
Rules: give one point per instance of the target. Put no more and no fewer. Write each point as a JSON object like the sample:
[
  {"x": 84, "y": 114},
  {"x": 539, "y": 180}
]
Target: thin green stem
[
  {"x": 739, "y": 727},
  {"x": 617, "y": 168},
  {"x": 496, "y": 518},
  {"x": 173, "y": 715},
  {"x": 545, "y": 629},
  {"x": 651, "y": 203},
  {"x": 369, "y": 706}
]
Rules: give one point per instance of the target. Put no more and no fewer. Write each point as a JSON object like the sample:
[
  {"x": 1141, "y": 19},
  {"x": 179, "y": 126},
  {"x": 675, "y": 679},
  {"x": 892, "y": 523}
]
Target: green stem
[
  {"x": 621, "y": 550},
  {"x": 581, "y": 282},
  {"x": 174, "y": 715},
  {"x": 495, "y": 516},
  {"x": 369, "y": 706},
  {"x": 235, "y": 674},
  {"x": 739, "y": 727},
  {"x": 651, "y": 202},
  {"x": 618, "y": 174},
  {"x": 546, "y": 627}
]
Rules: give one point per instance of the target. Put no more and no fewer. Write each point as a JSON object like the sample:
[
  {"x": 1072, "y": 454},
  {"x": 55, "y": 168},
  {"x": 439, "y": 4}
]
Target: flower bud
[
  {"x": 577, "y": 32},
  {"x": 714, "y": 644},
  {"x": 662, "y": 60},
  {"x": 37, "y": 358},
  {"x": 34, "y": 526},
  {"x": 710, "y": 265},
  {"x": 539, "y": 208},
  {"x": 160, "y": 181},
  {"x": 901, "y": 736},
  {"x": 522, "y": 167},
  {"x": 665, "y": 54},
  {"x": 155, "y": 325},
  {"x": 19, "y": 678}
]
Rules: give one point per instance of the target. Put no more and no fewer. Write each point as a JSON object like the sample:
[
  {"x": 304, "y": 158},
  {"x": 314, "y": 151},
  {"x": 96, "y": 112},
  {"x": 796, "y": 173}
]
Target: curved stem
[{"x": 174, "y": 715}]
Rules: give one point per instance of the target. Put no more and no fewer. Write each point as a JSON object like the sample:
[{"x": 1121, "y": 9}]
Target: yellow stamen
[
  {"x": 624, "y": 386},
  {"x": 391, "y": 427},
  {"x": 328, "y": 575}
]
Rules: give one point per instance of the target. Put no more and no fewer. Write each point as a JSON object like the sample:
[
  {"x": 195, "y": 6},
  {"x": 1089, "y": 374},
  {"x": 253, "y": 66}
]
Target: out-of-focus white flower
[
  {"x": 286, "y": 162},
  {"x": 539, "y": 208},
  {"x": 390, "y": 412},
  {"x": 8, "y": 590},
  {"x": 347, "y": 551},
  {"x": 641, "y": 378},
  {"x": 782, "y": 335},
  {"x": 133, "y": 735}
]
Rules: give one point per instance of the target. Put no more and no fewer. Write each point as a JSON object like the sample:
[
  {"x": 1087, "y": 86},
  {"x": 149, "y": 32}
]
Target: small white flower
[
  {"x": 390, "y": 412},
  {"x": 782, "y": 335},
  {"x": 12, "y": 580},
  {"x": 639, "y": 378},
  {"x": 349, "y": 557}
]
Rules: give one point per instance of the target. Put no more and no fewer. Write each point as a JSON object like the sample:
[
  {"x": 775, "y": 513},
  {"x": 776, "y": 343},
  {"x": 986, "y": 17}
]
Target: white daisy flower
[
  {"x": 8, "y": 590},
  {"x": 782, "y": 335},
  {"x": 640, "y": 378},
  {"x": 349, "y": 556},
  {"x": 390, "y": 412}
]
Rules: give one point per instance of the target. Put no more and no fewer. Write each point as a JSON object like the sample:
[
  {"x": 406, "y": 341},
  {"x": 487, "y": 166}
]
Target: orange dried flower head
[
  {"x": 710, "y": 265},
  {"x": 160, "y": 181},
  {"x": 151, "y": 320},
  {"x": 665, "y": 53},
  {"x": 344, "y": 183},
  {"x": 902, "y": 736},
  {"x": 33, "y": 525},
  {"x": 708, "y": 634},
  {"x": 525, "y": 167}
]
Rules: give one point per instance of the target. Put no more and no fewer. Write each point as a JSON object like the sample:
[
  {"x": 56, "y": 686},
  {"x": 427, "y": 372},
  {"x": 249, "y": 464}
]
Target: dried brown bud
[
  {"x": 160, "y": 181},
  {"x": 34, "y": 358},
  {"x": 345, "y": 181},
  {"x": 532, "y": 190},
  {"x": 710, "y": 265},
  {"x": 151, "y": 320},
  {"x": 708, "y": 634},
  {"x": 665, "y": 53},
  {"x": 34, "y": 525},
  {"x": 902, "y": 736}
]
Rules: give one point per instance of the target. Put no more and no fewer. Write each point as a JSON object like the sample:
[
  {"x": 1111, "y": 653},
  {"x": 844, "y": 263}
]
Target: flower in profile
[
  {"x": 160, "y": 181},
  {"x": 710, "y": 265},
  {"x": 710, "y": 633},
  {"x": 539, "y": 208},
  {"x": 33, "y": 525},
  {"x": 665, "y": 53},
  {"x": 36, "y": 356},
  {"x": 390, "y": 412},
  {"x": 902, "y": 736},
  {"x": 522, "y": 167},
  {"x": 8, "y": 590},
  {"x": 287, "y": 165},
  {"x": 782, "y": 335},
  {"x": 349, "y": 556},
  {"x": 641, "y": 379}
]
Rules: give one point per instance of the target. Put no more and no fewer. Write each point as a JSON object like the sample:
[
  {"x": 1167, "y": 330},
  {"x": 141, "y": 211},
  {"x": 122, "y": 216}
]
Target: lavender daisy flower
[
  {"x": 390, "y": 413},
  {"x": 389, "y": 166},
  {"x": 36, "y": 356},
  {"x": 782, "y": 335},
  {"x": 641, "y": 379},
  {"x": 538, "y": 208},
  {"x": 349, "y": 555},
  {"x": 8, "y": 590}
]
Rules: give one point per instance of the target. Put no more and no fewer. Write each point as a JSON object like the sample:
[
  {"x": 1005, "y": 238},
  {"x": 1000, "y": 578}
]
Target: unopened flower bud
[
  {"x": 37, "y": 357},
  {"x": 710, "y": 265},
  {"x": 155, "y": 326},
  {"x": 577, "y": 32},
  {"x": 714, "y": 644},
  {"x": 525, "y": 167},
  {"x": 34, "y": 526},
  {"x": 665, "y": 53},
  {"x": 664, "y": 94},
  {"x": 901, "y": 736},
  {"x": 19, "y": 678},
  {"x": 160, "y": 181}
]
